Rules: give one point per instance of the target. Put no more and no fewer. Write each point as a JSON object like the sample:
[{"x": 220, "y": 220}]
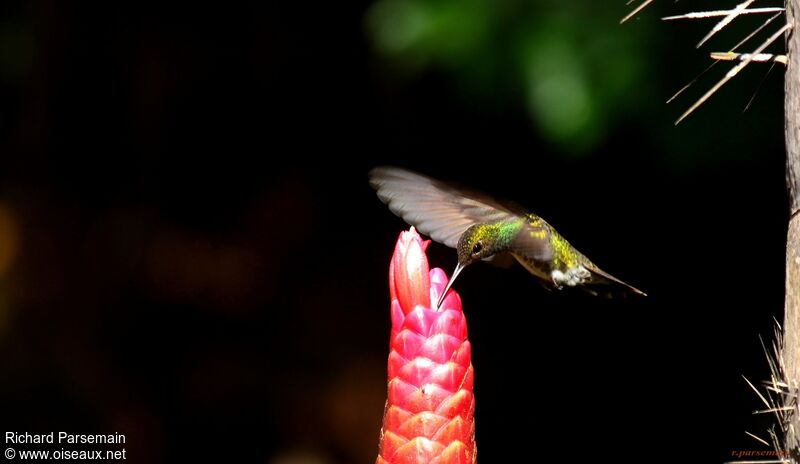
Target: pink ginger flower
[{"x": 429, "y": 415}]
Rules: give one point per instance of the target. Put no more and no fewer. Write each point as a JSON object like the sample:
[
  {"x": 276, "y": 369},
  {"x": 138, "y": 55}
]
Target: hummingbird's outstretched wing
[{"x": 436, "y": 209}]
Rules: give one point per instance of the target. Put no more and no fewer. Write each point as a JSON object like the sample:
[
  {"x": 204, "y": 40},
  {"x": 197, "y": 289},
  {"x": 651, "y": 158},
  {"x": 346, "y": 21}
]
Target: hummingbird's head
[{"x": 475, "y": 244}]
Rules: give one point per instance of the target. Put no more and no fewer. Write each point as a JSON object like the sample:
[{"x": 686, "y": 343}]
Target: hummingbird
[{"x": 480, "y": 228}]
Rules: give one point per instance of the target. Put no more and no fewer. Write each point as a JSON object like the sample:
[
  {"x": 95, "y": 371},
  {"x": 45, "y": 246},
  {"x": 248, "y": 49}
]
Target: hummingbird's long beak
[{"x": 459, "y": 268}]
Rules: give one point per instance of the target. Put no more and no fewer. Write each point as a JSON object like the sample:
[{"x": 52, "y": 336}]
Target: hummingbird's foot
[{"x": 549, "y": 287}]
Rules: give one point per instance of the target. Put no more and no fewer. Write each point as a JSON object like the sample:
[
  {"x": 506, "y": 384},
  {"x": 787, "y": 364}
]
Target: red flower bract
[
  {"x": 429, "y": 416},
  {"x": 408, "y": 271}
]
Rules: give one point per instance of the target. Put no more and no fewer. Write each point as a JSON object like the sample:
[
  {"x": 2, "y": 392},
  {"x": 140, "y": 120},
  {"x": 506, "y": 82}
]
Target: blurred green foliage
[{"x": 572, "y": 69}]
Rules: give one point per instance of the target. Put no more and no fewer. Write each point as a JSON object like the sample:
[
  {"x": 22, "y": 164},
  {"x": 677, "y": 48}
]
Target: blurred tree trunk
[{"x": 791, "y": 322}]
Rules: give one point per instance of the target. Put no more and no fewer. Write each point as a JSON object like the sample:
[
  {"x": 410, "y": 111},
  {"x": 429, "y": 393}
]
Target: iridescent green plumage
[{"x": 480, "y": 228}]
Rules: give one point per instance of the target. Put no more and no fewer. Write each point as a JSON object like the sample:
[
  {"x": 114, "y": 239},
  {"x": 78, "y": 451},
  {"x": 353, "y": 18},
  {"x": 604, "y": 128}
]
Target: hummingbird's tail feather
[{"x": 601, "y": 277}]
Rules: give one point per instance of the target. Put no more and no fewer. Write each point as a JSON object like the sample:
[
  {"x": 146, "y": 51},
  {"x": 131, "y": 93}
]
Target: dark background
[{"x": 190, "y": 253}]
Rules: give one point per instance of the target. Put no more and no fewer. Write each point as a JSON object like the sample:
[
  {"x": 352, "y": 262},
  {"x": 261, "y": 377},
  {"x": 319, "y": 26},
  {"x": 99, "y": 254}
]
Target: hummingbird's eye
[{"x": 477, "y": 248}]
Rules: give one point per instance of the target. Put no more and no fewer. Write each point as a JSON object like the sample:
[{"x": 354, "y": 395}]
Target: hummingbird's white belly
[
  {"x": 571, "y": 277},
  {"x": 574, "y": 276}
]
